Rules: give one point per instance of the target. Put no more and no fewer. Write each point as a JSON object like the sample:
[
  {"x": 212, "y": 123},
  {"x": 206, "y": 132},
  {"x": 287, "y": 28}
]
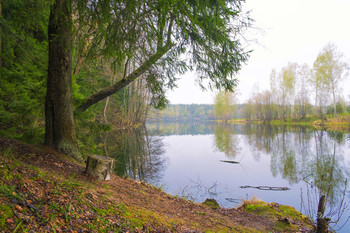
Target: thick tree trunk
[
  {"x": 0, "y": 36},
  {"x": 60, "y": 128}
]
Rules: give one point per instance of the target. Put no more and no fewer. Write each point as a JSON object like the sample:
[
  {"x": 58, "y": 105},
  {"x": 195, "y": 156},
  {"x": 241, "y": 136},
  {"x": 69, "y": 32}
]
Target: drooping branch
[{"x": 93, "y": 99}]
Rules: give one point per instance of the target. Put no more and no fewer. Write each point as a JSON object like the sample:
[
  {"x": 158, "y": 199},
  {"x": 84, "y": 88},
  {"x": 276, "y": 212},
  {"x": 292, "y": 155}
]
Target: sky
[{"x": 284, "y": 31}]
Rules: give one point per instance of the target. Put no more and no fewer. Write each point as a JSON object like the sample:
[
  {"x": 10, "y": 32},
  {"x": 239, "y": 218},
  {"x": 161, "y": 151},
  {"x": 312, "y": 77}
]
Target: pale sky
[{"x": 288, "y": 30}]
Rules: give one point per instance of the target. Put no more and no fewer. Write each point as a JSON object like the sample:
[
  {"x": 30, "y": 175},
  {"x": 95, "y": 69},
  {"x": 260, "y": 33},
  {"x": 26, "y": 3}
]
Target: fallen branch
[
  {"x": 266, "y": 188},
  {"x": 234, "y": 200}
]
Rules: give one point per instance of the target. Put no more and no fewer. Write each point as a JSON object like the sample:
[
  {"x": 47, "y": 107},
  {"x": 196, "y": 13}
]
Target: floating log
[
  {"x": 234, "y": 200},
  {"x": 229, "y": 161},
  {"x": 99, "y": 167},
  {"x": 266, "y": 188}
]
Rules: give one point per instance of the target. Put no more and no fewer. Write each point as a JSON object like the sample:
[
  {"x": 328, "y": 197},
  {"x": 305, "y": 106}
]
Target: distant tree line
[
  {"x": 183, "y": 112},
  {"x": 296, "y": 91}
]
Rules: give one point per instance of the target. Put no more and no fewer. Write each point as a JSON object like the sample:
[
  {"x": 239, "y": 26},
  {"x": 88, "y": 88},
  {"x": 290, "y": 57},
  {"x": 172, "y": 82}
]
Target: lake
[{"x": 227, "y": 162}]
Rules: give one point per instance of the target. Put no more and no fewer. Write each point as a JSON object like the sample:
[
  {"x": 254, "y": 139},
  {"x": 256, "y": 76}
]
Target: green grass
[
  {"x": 343, "y": 120},
  {"x": 5, "y": 213}
]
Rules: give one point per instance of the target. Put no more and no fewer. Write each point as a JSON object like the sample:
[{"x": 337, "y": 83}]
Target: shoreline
[{"x": 48, "y": 192}]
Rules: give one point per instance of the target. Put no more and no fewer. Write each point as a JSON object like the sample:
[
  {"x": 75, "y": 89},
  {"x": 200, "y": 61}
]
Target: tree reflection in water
[
  {"x": 138, "y": 155},
  {"x": 312, "y": 161},
  {"x": 226, "y": 140},
  {"x": 302, "y": 154}
]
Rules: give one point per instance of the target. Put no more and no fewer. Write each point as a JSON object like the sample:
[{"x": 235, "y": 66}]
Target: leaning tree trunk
[{"x": 59, "y": 121}]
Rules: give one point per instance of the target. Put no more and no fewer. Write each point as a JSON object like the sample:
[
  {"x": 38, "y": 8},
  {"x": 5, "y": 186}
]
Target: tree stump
[{"x": 99, "y": 167}]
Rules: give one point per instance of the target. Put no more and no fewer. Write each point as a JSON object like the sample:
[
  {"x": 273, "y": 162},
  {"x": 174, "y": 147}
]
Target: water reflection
[
  {"x": 328, "y": 169},
  {"x": 300, "y": 153},
  {"x": 138, "y": 155},
  {"x": 297, "y": 154},
  {"x": 180, "y": 128},
  {"x": 305, "y": 160},
  {"x": 226, "y": 140}
]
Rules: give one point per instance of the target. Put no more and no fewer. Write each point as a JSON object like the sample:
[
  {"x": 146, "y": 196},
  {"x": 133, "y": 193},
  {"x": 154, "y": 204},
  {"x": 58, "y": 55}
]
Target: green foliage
[
  {"x": 340, "y": 108},
  {"x": 23, "y": 68},
  {"x": 224, "y": 107},
  {"x": 111, "y": 40},
  {"x": 207, "y": 31},
  {"x": 330, "y": 68}
]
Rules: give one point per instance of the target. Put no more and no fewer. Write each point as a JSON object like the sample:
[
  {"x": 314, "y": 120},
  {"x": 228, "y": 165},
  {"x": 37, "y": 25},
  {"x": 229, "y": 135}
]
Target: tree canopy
[
  {"x": 164, "y": 38},
  {"x": 330, "y": 69}
]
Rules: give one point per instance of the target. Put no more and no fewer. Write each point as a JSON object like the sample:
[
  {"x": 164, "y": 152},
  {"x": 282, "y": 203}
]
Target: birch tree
[{"x": 330, "y": 70}]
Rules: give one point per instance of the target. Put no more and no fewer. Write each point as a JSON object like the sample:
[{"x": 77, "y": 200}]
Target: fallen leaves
[{"x": 18, "y": 208}]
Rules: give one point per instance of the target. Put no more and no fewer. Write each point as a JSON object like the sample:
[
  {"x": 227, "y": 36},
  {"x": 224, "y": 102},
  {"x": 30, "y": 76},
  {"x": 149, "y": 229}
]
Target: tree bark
[
  {"x": 93, "y": 99},
  {"x": 0, "y": 37},
  {"x": 59, "y": 120},
  {"x": 334, "y": 104},
  {"x": 100, "y": 167}
]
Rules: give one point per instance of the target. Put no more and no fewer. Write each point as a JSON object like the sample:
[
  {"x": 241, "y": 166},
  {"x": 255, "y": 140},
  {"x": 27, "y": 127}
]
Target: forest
[{"x": 73, "y": 69}]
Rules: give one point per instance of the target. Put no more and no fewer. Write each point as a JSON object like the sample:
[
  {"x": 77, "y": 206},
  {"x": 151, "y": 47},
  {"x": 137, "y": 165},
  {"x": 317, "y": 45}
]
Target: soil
[{"x": 129, "y": 206}]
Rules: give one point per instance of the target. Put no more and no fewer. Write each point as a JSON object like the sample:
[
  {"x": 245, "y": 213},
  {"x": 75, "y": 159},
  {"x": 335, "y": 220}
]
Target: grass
[{"x": 332, "y": 123}]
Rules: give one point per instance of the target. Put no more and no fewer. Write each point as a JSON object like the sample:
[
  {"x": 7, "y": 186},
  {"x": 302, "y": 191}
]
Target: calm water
[{"x": 197, "y": 161}]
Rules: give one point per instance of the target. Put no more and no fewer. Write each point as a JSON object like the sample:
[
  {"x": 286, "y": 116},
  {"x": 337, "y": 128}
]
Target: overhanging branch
[{"x": 93, "y": 99}]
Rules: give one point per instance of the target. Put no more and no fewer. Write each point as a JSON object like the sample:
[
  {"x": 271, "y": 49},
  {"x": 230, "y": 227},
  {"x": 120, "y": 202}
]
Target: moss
[
  {"x": 5, "y": 213},
  {"x": 70, "y": 149},
  {"x": 289, "y": 211},
  {"x": 284, "y": 225},
  {"x": 212, "y": 203},
  {"x": 280, "y": 213},
  {"x": 262, "y": 209}
]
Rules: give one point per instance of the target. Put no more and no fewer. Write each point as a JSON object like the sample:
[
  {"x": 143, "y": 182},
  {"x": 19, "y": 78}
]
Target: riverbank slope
[{"x": 44, "y": 191}]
